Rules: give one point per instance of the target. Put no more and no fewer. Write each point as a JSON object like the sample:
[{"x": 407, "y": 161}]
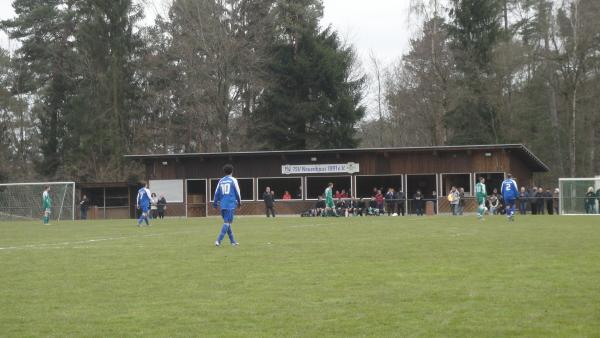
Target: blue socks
[
  {"x": 226, "y": 229},
  {"x": 143, "y": 218}
]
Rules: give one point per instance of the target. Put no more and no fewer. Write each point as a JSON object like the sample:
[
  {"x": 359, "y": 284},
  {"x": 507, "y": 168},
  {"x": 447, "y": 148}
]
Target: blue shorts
[
  {"x": 145, "y": 208},
  {"x": 227, "y": 215},
  {"x": 510, "y": 202}
]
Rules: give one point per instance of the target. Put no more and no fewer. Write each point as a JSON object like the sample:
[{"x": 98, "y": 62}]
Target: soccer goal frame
[
  {"x": 28, "y": 212},
  {"x": 572, "y": 196}
]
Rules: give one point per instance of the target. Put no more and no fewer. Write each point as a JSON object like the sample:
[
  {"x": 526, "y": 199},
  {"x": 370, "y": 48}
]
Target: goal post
[
  {"x": 23, "y": 201},
  {"x": 575, "y": 197}
]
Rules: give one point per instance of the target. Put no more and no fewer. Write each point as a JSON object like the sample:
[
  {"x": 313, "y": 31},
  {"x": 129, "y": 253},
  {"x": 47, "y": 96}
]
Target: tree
[
  {"x": 578, "y": 30},
  {"x": 45, "y": 30},
  {"x": 18, "y": 135},
  {"x": 109, "y": 50},
  {"x": 474, "y": 32},
  {"x": 313, "y": 100},
  {"x": 419, "y": 88},
  {"x": 214, "y": 51}
]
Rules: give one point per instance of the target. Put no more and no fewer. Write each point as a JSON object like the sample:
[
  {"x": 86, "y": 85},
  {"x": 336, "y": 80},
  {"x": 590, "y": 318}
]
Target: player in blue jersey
[
  {"x": 510, "y": 192},
  {"x": 143, "y": 202},
  {"x": 227, "y": 196}
]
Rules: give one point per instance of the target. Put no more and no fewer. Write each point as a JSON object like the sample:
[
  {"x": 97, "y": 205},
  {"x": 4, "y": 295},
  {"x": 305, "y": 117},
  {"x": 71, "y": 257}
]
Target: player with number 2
[{"x": 510, "y": 193}]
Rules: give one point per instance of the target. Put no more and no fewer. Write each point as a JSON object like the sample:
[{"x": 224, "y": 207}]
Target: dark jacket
[
  {"x": 84, "y": 204},
  {"x": 400, "y": 196},
  {"x": 418, "y": 200},
  {"x": 162, "y": 203},
  {"x": 268, "y": 198},
  {"x": 389, "y": 197}
]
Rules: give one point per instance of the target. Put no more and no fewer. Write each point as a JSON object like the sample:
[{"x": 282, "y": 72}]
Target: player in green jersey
[
  {"x": 481, "y": 196},
  {"x": 46, "y": 204},
  {"x": 329, "y": 206}
]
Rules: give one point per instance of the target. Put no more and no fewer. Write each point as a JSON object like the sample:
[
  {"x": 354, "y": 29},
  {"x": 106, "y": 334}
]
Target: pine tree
[
  {"x": 312, "y": 101},
  {"x": 45, "y": 30},
  {"x": 109, "y": 51},
  {"x": 474, "y": 32}
]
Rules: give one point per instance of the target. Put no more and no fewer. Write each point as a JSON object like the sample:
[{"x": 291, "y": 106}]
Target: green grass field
[{"x": 291, "y": 276}]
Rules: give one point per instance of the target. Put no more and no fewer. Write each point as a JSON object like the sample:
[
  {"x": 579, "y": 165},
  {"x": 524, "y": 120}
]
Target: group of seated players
[{"x": 345, "y": 207}]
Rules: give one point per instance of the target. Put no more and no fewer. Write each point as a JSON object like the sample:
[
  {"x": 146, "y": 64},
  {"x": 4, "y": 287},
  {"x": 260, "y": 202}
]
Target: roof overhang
[{"x": 534, "y": 163}]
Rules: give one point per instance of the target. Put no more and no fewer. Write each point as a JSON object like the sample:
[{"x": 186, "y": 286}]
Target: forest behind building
[{"x": 89, "y": 83}]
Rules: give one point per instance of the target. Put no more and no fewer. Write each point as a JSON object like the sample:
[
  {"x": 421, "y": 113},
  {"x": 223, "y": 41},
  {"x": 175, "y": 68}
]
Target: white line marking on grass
[{"x": 64, "y": 245}]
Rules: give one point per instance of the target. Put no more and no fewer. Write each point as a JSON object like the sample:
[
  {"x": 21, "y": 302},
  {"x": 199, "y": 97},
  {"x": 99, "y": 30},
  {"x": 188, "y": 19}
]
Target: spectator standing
[
  {"x": 400, "y": 200},
  {"x": 418, "y": 203},
  {"x": 161, "y": 206},
  {"x": 597, "y": 197},
  {"x": 269, "y": 202},
  {"x": 461, "y": 200},
  {"x": 153, "y": 206},
  {"x": 590, "y": 201},
  {"x": 434, "y": 198},
  {"x": 523, "y": 195},
  {"x": 286, "y": 196},
  {"x": 454, "y": 199},
  {"x": 539, "y": 201},
  {"x": 549, "y": 202},
  {"x": 533, "y": 200},
  {"x": 84, "y": 204},
  {"x": 390, "y": 201},
  {"x": 379, "y": 199},
  {"x": 555, "y": 198}
]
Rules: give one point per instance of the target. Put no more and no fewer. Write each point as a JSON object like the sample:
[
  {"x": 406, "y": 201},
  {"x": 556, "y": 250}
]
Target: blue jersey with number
[
  {"x": 227, "y": 193},
  {"x": 143, "y": 197},
  {"x": 509, "y": 189}
]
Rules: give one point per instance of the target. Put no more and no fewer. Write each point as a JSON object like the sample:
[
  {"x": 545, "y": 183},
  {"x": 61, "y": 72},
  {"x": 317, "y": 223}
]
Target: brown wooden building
[
  {"x": 188, "y": 180},
  {"x": 108, "y": 200}
]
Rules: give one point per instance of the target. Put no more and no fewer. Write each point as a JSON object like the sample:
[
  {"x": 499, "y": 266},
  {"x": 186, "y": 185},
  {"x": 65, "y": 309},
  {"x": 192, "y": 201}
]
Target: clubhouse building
[{"x": 188, "y": 180}]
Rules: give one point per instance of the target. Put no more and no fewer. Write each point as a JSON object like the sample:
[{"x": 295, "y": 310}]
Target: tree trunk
[
  {"x": 556, "y": 128},
  {"x": 573, "y": 141}
]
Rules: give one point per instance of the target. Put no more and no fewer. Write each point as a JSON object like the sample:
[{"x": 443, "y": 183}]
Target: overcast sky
[{"x": 379, "y": 26}]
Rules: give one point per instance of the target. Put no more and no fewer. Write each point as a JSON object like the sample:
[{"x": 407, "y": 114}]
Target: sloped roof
[{"x": 520, "y": 150}]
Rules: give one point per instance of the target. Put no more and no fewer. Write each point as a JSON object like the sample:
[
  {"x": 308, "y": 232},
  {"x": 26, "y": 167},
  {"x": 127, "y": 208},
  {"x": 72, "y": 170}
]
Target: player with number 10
[{"x": 227, "y": 196}]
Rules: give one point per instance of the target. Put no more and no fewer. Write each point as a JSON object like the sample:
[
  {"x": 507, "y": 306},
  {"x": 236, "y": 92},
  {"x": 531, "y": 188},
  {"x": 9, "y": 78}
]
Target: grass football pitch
[{"x": 292, "y": 276}]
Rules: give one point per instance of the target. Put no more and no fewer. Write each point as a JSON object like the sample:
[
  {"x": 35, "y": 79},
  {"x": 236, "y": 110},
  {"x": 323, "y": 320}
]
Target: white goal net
[
  {"x": 579, "y": 196},
  {"x": 23, "y": 201}
]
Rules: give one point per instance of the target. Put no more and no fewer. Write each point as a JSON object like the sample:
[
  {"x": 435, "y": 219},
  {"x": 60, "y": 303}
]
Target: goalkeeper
[
  {"x": 481, "y": 196},
  {"x": 46, "y": 204}
]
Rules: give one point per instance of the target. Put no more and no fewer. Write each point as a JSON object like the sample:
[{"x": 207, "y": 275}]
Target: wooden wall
[
  {"x": 371, "y": 163},
  {"x": 376, "y": 163}
]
